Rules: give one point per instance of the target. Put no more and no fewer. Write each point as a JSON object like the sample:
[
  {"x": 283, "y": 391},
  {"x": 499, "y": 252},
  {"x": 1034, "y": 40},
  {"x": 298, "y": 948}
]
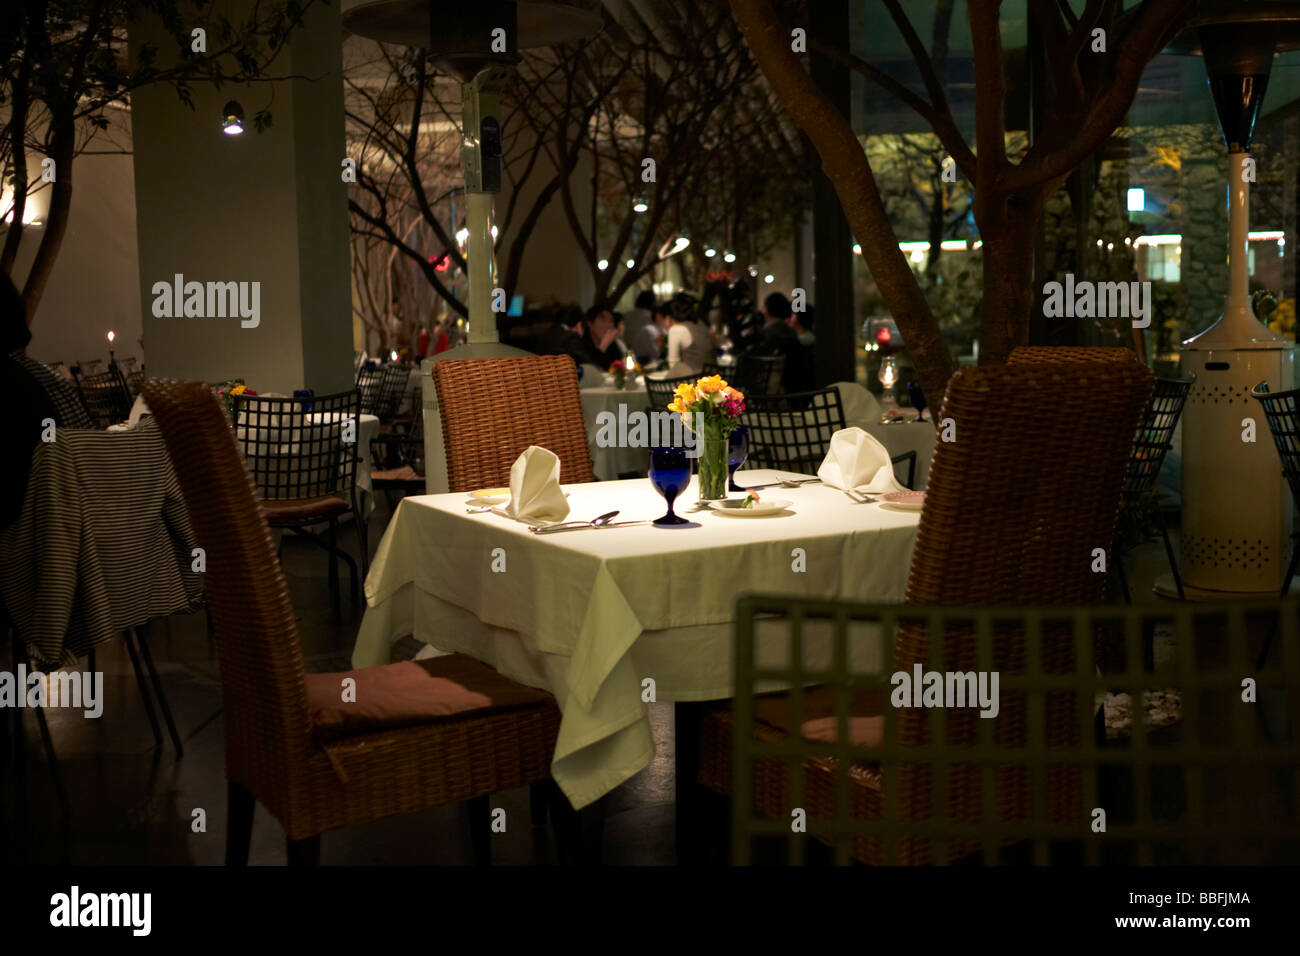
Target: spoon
[{"x": 598, "y": 522}]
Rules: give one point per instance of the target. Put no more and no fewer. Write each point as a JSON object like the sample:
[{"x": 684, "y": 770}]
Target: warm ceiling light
[
  {"x": 710, "y": 253},
  {"x": 769, "y": 278},
  {"x": 232, "y": 119},
  {"x": 729, "y": 257},
  {"x": 602, "y": 265}
]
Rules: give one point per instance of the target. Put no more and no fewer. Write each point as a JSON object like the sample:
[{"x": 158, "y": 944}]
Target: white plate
[
  {"x": 735, "y": 506},
  {"x": 905, "y": 500},
  {"x": 481, "y": 500}
]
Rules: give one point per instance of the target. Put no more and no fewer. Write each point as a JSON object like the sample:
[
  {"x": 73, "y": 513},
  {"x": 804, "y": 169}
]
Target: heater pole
[
  {"x": 481, "y": 158},
  {"x": 482, "y": 268},
  {"x": 1238, "y": 302}
]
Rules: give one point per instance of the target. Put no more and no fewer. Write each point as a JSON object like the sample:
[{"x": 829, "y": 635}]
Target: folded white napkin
[
  {"x": 138, "y": 411},
  {"x": 535, "y": 495},
  {"x": 858, "y": 462}
]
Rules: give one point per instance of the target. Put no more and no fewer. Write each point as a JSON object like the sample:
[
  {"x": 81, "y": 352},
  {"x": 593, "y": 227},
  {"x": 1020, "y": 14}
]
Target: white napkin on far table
[
  {"x": 535, "y": 495},
  {"x": 858, "y": 462}
]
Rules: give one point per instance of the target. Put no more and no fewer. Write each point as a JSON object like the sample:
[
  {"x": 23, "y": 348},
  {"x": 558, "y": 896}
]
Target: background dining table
[
  {"x": 607, "y": 619},
  {"x": 610, "y": 461}
]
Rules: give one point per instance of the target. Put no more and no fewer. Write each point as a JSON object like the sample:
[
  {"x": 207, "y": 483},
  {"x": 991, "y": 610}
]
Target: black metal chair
[
  {"x": 1282, "y": 410},
  {"x": 1153, "y": 441},
  {"x": 107, "y": 396},
  {"x": 387, "y": 396},
  {"x": 659, "y": 391},
  {"x": 303, "y": 458},
  {"x": 398, "y": 462},
  {"x": 759, "y": 374},
  {"x": 793, "y": 432}
]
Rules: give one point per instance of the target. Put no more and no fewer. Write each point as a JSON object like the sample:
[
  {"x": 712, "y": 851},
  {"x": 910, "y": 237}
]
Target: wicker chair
[
  {"x": 793, "y": 432},
  {"x": 975, "y": 547},
  {"x": 305, "y": 470},
  {"x": 107, "y": 396},
  {"x": 1068, "y": 354},
  {"x": 493, "y": 409},
  {"x": 448, "y": 729}
]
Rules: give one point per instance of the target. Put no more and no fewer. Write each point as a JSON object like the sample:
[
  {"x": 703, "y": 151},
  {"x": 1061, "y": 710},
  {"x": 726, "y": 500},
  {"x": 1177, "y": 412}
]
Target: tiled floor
[{"x": 134, "y": 803}]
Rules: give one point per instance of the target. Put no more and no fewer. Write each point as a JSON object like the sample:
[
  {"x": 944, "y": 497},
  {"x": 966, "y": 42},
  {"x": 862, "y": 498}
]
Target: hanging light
[
  {"x": 857, "y": 249},
  {"x": 640, "y": 204},
  {"x": 729, "y": 256},
  {"x": 631, "y": 263},
  {"x": 232, "y": 119},
  {"x": 710, "y": 252},
  {"x": 769, "y": 278},
  {"x": 602, "y": 265}
]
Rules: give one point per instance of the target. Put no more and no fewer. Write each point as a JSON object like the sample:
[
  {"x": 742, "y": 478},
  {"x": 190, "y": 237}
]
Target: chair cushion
[
  {"x": 403, "y": 474},
  {"x": 863, "y": 731},
  {"x": 297, "y": 510},
  {"x": 413, "y": 692}
]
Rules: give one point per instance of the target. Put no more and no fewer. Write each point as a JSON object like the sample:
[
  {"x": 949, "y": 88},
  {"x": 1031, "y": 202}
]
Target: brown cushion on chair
[
  {"x": 413, "y": 692},
  {"x": 303, "y": 509},
  {"x": 404, "y": 473},
  {"x": 775, "y": 710},
  {"x": 863, "y": 731}
]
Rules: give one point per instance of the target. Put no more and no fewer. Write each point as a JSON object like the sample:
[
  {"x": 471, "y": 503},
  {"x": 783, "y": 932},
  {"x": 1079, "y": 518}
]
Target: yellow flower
[
  {"x": 239, "y": 390},
  {"x": 711, "y": 384}
]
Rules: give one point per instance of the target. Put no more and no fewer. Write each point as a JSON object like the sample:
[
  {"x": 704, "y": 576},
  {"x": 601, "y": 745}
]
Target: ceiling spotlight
[
  {"x": 631, "y": 263},
  {"x": 640, "y": 205},
  {"x": 682, "y": 243},
  {"x": 769, "y": 278},
  {"x": 857, "y": 249},
  {"x": 753, "y": 270},
  {"x": 232, "y": 119},
  {"x": 710, "y": 253},
  {"x": 728, "y": 257},
  {"x": 602, "y": 265}
]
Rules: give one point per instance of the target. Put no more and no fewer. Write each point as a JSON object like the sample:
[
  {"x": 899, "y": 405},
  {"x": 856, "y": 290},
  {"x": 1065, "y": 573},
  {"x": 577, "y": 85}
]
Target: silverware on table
[
  {"x": 554, "y": 529},
  {"x": 785, "y": 483},
  {"x": 597, "y": 522},
  {"x": 858, "y": 496}
]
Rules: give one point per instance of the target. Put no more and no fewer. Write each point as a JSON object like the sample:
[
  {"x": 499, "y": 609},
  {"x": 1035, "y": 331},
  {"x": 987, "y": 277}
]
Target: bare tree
[
  {"x": 64, "y": 65},
  {"x": 1095, "y": 60}
]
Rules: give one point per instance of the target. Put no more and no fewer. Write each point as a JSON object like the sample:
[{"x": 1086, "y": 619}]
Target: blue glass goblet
[{"x": 670, "y": 473}]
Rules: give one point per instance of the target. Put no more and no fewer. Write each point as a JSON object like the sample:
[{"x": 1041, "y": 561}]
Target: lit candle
[{"x": 111, "y": 336}]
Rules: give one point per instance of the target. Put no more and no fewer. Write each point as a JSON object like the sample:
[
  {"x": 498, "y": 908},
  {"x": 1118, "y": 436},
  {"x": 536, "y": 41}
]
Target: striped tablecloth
[{"x": 103, "y": 543}]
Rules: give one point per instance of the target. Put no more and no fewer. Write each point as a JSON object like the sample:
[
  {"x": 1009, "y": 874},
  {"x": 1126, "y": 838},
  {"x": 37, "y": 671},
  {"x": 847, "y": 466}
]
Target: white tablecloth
[
  {"x": 863, "y": 411},
  {"x": 609, "y": 463},
  {"x": 590, "y": 615}
]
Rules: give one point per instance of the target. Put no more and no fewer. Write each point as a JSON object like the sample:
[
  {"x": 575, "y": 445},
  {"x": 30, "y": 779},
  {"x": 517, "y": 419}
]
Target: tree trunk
[
  {"x": 63, "y": 149},
  {"x": 1008, "y": 278}
]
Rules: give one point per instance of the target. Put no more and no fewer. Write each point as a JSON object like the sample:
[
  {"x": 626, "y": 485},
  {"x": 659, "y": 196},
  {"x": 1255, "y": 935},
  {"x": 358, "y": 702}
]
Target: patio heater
[
  {"x": 1236, "y": 507},
  {"x": 478, "y": 43}
]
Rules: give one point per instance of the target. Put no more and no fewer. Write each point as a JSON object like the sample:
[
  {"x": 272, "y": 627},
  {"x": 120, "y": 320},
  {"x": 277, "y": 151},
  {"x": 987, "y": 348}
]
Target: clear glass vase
[{"x": 713, "y": 468}]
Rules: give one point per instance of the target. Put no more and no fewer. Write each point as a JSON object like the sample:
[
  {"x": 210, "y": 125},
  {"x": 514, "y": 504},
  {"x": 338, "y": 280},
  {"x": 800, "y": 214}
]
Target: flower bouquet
[
  {"x": 619, "y": 371},
  {"x": 229, "y": 392},
  {"x": 711, "y": 408}
]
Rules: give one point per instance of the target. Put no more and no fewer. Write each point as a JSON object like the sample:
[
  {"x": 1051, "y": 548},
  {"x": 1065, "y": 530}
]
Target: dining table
[
  {"x": 610, "y": 460},
  {"x": 610, "y": 619}
]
